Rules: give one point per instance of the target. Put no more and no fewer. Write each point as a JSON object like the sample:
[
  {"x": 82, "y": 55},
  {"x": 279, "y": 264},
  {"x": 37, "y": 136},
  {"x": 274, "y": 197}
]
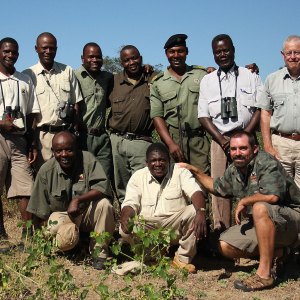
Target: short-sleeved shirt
[
  {"x": 281, "y": 94},
  {"x": 265, "y": 175},
  {"x": 53, "y": 189},
  {"x": 18, "y": 90},
  {"x": 95, "y": 95},
  {"x": 167, "y": 93},
  {"x": 130, "y": 105},
  {"x": 247, "y": 89},
  {"x": 63, "y": 86},
  {"x": 150, "y": 198}
]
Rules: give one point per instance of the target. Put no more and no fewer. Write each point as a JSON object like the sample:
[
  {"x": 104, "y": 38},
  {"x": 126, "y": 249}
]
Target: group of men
[{"x": 55, "y": 120}]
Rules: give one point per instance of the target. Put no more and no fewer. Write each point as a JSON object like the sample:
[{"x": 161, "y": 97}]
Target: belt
[
  {"x": 193, "y": 133},
  {"x": 54, "y": 129},
  {"x": 132, "y": 136},
  {"x": 96, "y": 131},
  {"x": 292, "y": 136}
]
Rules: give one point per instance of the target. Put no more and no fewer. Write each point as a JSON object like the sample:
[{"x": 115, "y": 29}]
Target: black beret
[{"x": 176, "y": 40}]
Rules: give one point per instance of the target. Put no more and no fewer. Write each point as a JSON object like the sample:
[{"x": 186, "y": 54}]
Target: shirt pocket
[
  {"x": 65, "y": 89},
  {"x": 118, "y": 106},
  {"x": 214, "y": 107},
  {"x": 194, "y": 94},
  {"x": 58, "y": 201},
  {"x": 148, "y": 206},
  {"x": 247, "y": 98},
  {"x": 279, "y": 107},
  {"x": 169, "y": 100},
  {"x": 174, "y": 200}
]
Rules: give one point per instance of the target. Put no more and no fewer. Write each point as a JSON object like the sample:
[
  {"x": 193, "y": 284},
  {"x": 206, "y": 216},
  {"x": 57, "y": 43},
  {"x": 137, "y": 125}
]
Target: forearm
[
  {"x": 91, "y": 195},
  {"x": 161, "y": 128},
  {"x": 212, "y": 130},
  {"x": 253, "y": 122},
  {"x": 265, "y": 120},
  {"x": 258, "y": 197},
  {"x": 198, "y": 201}
]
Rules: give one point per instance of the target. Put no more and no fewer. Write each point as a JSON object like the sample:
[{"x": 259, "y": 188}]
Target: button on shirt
[
  {"x": 282, "y": 95},
  {"x": 54, "y": 189},
  {"x": 150, "y": 198},
  {"x": 95, "y": 94},
  {"x": 167, "y": 92},
  {"x": 249, "y": 87},
  {"x": 10, "y": 95},
  {"x": 130, "y": 105},
  {"x": 63, "y": 87}
]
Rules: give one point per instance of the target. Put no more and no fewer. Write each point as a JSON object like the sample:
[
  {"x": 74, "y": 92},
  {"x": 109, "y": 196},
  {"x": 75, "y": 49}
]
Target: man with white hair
[{"x": 280, "y": 104}]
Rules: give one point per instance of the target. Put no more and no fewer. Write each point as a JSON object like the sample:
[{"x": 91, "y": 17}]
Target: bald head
[{"x": 46, "y": 34}]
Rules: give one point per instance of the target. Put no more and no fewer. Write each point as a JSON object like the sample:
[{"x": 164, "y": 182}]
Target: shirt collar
[
  {"x": 40, "y": 68},
  {"x": 168, "y": 75},
  {"x": 124, "y": 78},
  {"x": 229, "y": 73},
  {"x": 286, "y": 74}
]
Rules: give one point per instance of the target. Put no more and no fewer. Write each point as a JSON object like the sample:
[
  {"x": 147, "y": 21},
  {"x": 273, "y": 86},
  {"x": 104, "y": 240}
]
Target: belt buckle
[
  {"x": 294, "y": 134},
  {"x": 130, "y": 136}
]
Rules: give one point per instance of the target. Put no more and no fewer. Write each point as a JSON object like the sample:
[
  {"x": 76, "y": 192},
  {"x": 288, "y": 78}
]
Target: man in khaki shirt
[
  {"x": 166, "y": 196},
  {"x": 55, "y": 85}
]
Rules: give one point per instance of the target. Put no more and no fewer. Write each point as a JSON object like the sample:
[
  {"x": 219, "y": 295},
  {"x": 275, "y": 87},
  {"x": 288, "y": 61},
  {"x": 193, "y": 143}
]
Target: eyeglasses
[{"x": 290, "y": 53}]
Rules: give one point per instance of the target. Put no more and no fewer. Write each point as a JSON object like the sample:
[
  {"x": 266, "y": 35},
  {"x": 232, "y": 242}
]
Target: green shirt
[
  {"x": 53, "y": 189},
  {"x": 265, "y": 175},
  {"x": 95, "y": 94},
  {"x": 167, "y": 92}
]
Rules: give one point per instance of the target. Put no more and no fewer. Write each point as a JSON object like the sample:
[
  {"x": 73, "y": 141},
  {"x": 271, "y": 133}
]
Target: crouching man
[
  {"x": 166, "y": 196},
  {"x": 268, "y": 196},
  {"x": 71, "y": 190}
]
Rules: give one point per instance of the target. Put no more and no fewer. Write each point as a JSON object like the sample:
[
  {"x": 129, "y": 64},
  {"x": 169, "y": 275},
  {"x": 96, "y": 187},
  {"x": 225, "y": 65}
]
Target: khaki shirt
[
  {"x": 63, "y": 87},
  {"x": 24, "y": 96},
  {"x": 282, "y": 95},
  {"x": 95, "y": 95},
  {"x": 265, "y": 175},
  {"x": 150, "y": 198},
  {"x": 167, "y": 92},
  {"x": 247, "y": 90},
  {"x": 53, "y": 189},
  {"x": 130, "y": 105}
]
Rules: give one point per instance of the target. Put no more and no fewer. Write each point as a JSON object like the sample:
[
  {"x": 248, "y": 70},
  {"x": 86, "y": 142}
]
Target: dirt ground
[{"x": 214, "y": 279}]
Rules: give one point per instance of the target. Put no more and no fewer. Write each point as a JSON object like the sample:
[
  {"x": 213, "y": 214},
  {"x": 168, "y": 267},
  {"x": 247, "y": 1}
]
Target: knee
[
  {"x": 67, "y": 236},
  {"x": 104, "y": 205},
  {"x": 260, "y": 210},
  {"x": 225, "y": 249}
]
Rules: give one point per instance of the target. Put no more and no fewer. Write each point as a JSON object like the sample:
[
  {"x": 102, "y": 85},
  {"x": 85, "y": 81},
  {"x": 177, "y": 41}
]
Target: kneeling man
[
  {"x": 166, "y": 196},
  {"x": 271, "y": 199},
  {"x": 71, "y": 191}
]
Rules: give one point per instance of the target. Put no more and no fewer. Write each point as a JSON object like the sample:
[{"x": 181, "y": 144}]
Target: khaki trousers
[
  {"x": 182, "y": 223},
  {"x": 98, "y": 217},
  {"x": 221, "y": 207}
]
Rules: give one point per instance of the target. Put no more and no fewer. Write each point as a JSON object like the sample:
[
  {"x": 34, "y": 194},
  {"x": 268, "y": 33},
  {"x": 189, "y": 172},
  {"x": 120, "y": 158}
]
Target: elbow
[{"x": 274, "y": 199}]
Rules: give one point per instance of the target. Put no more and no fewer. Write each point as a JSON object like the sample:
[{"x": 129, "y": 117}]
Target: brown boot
[{"x": 182, "y": 265}]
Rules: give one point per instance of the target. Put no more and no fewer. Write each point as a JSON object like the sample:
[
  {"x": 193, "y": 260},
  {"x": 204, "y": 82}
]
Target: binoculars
[
  {"x": 11, "y": 114},
  {"x": 228, "y": 108},
  {"x": 66, "y": 111}
]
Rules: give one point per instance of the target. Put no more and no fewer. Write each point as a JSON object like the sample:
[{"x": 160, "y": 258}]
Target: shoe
[
  {"x": 5, "y": 246},
  {"x": 182, "y": 265},
  {"x": 254, "y": 283},
  {"x": 99, "y": 263}
]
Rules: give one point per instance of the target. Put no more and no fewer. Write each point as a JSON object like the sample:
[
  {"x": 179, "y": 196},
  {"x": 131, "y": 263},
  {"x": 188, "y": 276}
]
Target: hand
[
  {"x": 32, "y": 155},
  {"x": 176, "y": 152},
  {"x": 148, "y": 69},
  {"x": 191, "y": 168},
  {"x": 241, "y": 209},
  {"x": 73, "y": 209},
  {"x": 7, "y": 126},
  {"x": 253, "y": 68},
  {"x": 273, "y": 152},
  {"x": 124, "y": 225},
  {"x": 210, "y": 69},
  {"x": 199, "y": 225}
]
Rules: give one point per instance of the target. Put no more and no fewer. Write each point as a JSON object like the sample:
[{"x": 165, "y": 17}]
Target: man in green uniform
[
  {"x": 268, "y": 196},
  {"x": 71, "y": 189},
  {"x": 129, "y": 122},
  {"x": 95, "y": 86},
  {"x": 174, "y": 103}
]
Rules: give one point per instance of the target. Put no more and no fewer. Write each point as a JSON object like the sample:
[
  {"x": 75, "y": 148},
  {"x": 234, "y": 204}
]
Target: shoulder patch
[
  {"x": 198, "y": 67},
  {"x": 157, "y": 76}
]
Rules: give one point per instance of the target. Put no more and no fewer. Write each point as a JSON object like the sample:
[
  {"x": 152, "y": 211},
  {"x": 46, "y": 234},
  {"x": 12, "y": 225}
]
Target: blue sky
[{"x": 257, "y": 28}]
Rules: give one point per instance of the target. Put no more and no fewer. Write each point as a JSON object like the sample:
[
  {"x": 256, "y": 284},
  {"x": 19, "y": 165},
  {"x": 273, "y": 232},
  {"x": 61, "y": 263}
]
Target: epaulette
[
  {"x": 198, "y": 67},
  {"x": 157, "y": 76}
]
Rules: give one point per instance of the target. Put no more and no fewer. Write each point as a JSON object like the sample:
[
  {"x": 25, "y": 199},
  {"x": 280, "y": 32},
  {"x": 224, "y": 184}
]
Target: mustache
[{"x": 238, "y": 157}]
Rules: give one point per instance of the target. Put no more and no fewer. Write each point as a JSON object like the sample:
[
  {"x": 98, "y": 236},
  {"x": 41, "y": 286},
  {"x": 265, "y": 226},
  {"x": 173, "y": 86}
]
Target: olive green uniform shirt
[
  {"x": 53, "y": 189},
  {"x": 95, "y": 94},
  {"x": 130, "y": 105},
  {"x": 265, "y": 175},
  {"x": 167, "y": 92}
]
